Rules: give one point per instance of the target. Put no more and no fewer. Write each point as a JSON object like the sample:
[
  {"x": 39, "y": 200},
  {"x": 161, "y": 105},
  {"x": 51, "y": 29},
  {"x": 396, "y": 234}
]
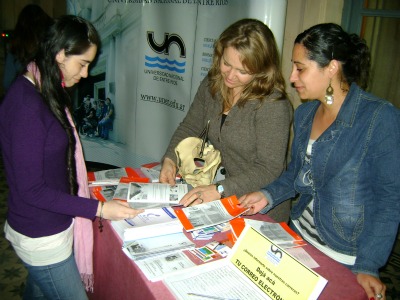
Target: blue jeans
[
  {"x": 104, "y": 127},
  {"x": 56, "y": 281}
]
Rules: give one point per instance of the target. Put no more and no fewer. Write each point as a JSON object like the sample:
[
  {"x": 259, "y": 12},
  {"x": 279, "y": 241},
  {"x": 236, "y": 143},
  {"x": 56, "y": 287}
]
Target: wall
[{"x": 300, "y": 15}]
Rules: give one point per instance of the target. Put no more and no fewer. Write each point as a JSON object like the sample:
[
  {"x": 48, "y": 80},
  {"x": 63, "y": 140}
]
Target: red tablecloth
[{"x": 117, "y": 277}]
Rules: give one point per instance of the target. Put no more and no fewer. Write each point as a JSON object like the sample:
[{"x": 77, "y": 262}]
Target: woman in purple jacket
[{"x": 48, "y": 202}]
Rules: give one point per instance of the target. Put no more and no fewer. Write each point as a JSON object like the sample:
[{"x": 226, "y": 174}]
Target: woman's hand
[
  {"x": 200, "y": 194},
  {"x": 168, "y": 171},
  {"x": 254, "y": 202},
  {"x": 117, "y": 210},
  {"x": 372, "y": 285}
]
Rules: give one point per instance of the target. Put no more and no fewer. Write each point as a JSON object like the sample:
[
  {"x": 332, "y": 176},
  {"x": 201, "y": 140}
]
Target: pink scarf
[{"x": 83, "y": 229}]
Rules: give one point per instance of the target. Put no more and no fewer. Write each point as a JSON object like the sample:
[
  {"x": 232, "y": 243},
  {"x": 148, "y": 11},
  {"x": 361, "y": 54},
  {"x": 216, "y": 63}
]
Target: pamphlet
[
  {"x": 256, "y": 268},
  {"x": 152, "y": 171},
  {"x": 122, "y": 190},
  {"x": 279, "y": 233},
  {"x": 152, "y": 195},
  {"x": 157, "y": 267},
  {"x": 104, "y": 193},
  {"x": 151, "y": 222},
  {"x": 210, "y": 213},
  {"x": 148, "y": 247},
  {"x": 112, "y": 176}
]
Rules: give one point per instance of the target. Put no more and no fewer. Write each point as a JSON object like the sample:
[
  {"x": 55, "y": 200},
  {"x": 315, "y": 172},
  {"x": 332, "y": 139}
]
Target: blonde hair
[{"x": 256, "y": 45}]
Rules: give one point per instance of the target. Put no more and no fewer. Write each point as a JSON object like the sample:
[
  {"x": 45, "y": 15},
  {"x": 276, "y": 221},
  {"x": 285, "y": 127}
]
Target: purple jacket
[{"x": 34, "y": 146}]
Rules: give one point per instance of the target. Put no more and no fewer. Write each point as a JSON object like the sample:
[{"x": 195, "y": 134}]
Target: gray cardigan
[{"x": 253, "y": 141}]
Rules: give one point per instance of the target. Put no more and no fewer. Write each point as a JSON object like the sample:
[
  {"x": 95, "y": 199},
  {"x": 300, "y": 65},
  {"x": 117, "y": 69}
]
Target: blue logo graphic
[
  {"x": 164, "y": 48},
  {"x": 274, "y": 255}
]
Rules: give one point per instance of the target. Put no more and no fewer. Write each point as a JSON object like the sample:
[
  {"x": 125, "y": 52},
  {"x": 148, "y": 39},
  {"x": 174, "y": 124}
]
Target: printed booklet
[
  {"x": 210, "y": 213},
  {"x": 153, "y": 195}
]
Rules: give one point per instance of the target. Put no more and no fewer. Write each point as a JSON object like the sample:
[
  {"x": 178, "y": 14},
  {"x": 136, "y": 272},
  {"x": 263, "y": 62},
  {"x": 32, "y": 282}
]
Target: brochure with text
[
  {"x": 149, "y": 247},
  {"x": 210, "y": 213},
  {"x": 103, "y": 193},
  {"x": 280, "y": 233},
  {"x": 113, "y": 176},
  {"x": 151, "y": 222},
  {"x": 152, "y": 195},
  {"x": 157, "y": 267}
]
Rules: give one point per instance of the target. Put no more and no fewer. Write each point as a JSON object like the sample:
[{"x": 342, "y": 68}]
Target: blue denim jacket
[{"x": 355, "y": 166}]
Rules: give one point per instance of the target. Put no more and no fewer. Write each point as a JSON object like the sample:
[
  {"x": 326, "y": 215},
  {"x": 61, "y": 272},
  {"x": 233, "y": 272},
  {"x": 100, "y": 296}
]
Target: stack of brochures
[
  {"x": 150, "y": 223},
  {"x": 153, "y": 233}
]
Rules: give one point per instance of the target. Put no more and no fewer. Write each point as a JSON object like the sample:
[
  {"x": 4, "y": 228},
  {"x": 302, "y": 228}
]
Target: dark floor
[{"x": 12, "y": 272}]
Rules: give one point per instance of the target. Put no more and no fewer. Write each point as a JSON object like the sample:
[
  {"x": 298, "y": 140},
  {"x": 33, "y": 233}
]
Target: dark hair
[
  {"x": 74, "y": 35},
  {"x": 328, "y": 41},
  {"x": 259, "y": 54},
  {"x": 31, "y": 25}
]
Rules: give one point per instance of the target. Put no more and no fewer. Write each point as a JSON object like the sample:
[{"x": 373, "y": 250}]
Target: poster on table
[{"x": 154, "y": 54}]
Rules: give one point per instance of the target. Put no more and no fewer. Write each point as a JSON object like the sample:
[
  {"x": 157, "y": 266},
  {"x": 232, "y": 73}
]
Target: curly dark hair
[{"x": 328, "y": 41}]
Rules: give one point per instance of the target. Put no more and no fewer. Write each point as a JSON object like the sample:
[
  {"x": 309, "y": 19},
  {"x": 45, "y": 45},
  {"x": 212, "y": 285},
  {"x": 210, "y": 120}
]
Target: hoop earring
[{"x": 329, "y": 95}]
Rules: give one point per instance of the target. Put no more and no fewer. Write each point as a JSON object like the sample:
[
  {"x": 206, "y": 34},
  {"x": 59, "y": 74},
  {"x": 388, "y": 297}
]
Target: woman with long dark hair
[{"x": 49, "y": 206}]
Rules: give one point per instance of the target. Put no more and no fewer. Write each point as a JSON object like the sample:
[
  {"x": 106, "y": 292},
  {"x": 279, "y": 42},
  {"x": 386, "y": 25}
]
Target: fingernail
[{"x": 372, "y": 298}]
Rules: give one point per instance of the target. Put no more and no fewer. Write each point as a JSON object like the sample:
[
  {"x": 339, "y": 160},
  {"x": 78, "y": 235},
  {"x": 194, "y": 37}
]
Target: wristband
[{"x": 101, "y": 216}]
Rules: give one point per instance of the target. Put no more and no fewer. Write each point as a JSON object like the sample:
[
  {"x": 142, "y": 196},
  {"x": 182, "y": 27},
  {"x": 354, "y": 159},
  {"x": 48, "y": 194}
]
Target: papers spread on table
[
  {"x": 256, "y": 268},
  {"x": 151, "y": 195},
  {"x": 112, "y": 176},
  {"x": 151, "y": 222},
  {"x": 209, "y": 213},
  {"x": 156, "y": 268}
]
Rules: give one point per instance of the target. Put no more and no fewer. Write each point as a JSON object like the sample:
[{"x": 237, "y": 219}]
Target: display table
[{"x": 117, "y": 277}]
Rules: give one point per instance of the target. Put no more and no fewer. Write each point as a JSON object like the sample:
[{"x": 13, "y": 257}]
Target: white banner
[{"x": 154, "y": 55}]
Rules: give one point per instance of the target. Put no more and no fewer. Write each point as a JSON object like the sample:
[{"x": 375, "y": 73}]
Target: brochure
[
  {"x": 149, "y": 247},
  {"x": 280, "y": 233},
  {"x": 210, "y": 213},
  {"x": 152, "y": 195},
  {"x": 112, "y": 176},
  {"x": 151, "y": 222},
  {"x": 104, "y": 193}
]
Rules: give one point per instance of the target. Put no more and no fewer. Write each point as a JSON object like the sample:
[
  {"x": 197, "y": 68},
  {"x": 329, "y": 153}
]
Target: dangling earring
[
  {"x": 62, "y": 80},
  {"x": 329, "y": 94}
]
